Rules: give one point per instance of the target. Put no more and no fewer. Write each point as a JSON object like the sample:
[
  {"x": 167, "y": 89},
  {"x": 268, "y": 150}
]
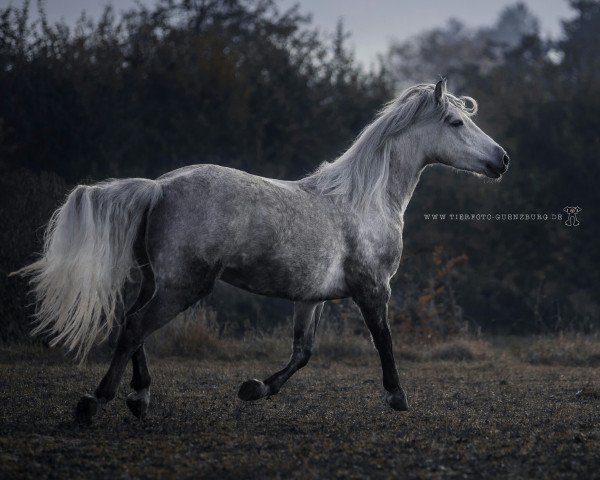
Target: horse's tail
[{"x": 88, "y": 256}]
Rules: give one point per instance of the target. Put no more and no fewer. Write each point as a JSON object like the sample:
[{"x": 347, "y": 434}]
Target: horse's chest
[{"x": 374, "y": 260}]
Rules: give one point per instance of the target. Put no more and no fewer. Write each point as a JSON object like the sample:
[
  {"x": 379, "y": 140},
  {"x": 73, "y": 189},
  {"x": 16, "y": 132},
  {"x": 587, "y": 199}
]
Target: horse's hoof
[
  {"x": 397, "y": 400},
  {"x": 138, "y": 402},
  {"x": 86, "y": 409},
  {"x": 253, "y": 390}
]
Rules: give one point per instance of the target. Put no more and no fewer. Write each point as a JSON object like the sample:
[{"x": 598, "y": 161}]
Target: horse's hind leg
[
  {"x": 167, "y": 301},
  {"x": 162, "y": 308},
  {"x": 137, "y": 327},
  {"x": 306, "y": 318},
  {"x": 139, "y": 400}
]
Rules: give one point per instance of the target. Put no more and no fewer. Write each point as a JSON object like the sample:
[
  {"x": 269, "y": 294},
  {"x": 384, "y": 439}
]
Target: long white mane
[{"x": 360, "y": 175}]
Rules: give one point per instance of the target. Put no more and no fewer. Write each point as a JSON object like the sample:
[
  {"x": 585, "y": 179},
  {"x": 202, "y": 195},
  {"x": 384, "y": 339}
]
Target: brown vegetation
[{"x": 197, "y": 335}]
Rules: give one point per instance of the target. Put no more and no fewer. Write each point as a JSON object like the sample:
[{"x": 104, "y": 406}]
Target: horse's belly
[{"x": 294, "y": 282}]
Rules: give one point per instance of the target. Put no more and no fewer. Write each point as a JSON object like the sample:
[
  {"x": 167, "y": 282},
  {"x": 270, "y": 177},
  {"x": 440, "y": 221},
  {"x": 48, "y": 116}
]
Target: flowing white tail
[{"x": 88, "y": 256}]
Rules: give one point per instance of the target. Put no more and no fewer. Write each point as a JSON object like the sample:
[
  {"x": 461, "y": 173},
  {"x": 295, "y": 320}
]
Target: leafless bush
[
  {"x": 460, "y": 350},
  {"x": 191, "y": 334},
  {"x": 564, "y": 349},
  {"x": 195, "y": 333}
]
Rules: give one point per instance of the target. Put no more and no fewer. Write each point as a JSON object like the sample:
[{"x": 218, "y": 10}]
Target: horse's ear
[{"x": 440, "y": 89}]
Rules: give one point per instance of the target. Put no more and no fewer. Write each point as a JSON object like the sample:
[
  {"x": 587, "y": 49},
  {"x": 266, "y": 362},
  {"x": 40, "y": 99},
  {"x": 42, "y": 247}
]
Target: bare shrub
[
  {"x": 195, "y": 333},
  {"x": 191, "y": 334},
  {"x": 340, "y": 347},
  {"x": 428, "y": 309},
  {"x": 563, "y": 349},
  {"x": 454, "y": 349}
]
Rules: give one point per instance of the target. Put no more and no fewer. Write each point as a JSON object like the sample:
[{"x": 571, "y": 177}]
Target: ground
[{"x": 478, "y": 419}]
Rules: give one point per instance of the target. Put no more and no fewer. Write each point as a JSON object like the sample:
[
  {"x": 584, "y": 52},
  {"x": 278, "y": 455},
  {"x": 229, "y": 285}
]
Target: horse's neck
[{"x": 405, "y": 170}]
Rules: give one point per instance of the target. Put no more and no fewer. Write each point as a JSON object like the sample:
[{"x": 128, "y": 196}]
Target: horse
[{"x": 336, "y": 233}]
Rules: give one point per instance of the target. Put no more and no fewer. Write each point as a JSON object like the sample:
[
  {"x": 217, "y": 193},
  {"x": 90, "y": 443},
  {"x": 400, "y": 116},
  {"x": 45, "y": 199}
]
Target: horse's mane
[{"x": 361, "y": 173}]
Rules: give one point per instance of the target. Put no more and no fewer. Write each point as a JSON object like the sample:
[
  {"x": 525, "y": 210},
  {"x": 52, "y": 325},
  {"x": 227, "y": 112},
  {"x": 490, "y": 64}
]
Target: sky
[{"x": 373, "y": 23}]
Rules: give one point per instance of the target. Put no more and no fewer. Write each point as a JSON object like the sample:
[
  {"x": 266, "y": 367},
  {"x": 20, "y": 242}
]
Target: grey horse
[{"x": 336, "y": 233}]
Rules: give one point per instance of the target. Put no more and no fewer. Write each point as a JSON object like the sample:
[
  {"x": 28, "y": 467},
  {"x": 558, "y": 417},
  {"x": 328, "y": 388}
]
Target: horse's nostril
[{"x": 505, "y": 160}]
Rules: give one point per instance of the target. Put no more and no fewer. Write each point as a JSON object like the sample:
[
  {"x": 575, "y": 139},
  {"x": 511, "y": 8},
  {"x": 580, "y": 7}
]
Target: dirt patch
[{"x": 467, "y": 419}]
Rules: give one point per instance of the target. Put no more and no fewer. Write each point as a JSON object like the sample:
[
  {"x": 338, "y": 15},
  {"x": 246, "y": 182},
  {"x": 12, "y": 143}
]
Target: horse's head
[
  {"x": 456, "y": 141},
  {"x": 424, "y": 125}
]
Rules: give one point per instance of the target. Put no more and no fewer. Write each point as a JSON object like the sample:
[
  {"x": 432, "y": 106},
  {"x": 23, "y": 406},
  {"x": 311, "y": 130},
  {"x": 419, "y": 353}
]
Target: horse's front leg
[
  {"x": 306, "y": 318},
  {"x": 373, "y": 305}
]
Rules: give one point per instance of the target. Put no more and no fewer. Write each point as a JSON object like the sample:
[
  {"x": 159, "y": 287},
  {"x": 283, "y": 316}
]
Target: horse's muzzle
[{"x": 496, "y": 168}]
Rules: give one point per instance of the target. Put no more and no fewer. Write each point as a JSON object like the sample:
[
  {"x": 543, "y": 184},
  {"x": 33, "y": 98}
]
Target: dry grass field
[{"x": 526, "y": 409}]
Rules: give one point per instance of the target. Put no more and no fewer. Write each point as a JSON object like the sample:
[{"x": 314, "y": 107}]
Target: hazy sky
[{"x": 373, "y": 23}]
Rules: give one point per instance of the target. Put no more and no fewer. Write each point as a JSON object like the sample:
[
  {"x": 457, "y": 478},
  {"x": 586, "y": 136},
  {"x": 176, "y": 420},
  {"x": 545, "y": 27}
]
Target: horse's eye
[{"x": 456, "y": 123}]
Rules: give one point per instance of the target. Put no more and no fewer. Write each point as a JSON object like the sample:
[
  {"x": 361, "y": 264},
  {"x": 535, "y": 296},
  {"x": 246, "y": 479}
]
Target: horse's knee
[{"x": 303, "y": 357}]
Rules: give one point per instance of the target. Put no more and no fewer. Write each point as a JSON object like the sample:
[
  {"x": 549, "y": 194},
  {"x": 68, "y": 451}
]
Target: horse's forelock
[{"x": 424, "y": 94}]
